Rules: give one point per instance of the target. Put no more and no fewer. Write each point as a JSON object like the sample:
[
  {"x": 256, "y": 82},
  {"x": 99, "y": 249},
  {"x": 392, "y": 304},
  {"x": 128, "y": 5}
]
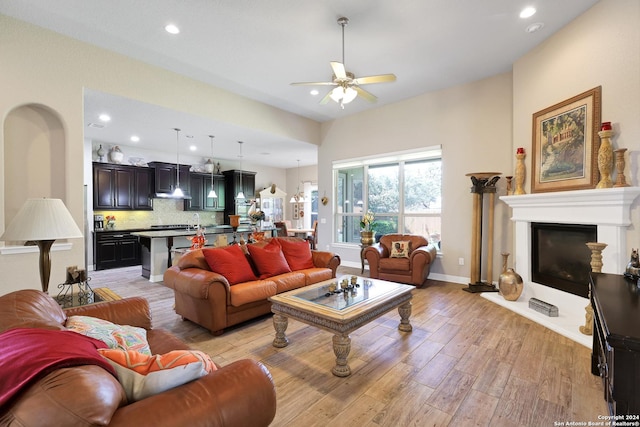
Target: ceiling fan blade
[
  {"x": 382, "y": 78},
  {"x": 364, "y": 94},
  {"x": 338, "y": 70},
  {"x": 313, "y": 84},
  {"x": 326, "y": 98}
]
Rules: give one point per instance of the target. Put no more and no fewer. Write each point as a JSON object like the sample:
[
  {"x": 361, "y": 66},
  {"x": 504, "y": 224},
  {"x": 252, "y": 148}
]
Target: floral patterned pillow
[{"x": 114, "y": 336}]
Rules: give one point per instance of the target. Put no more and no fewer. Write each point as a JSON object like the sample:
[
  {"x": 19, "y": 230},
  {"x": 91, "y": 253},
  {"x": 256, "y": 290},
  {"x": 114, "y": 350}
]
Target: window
[{"x": 403, "y": 190}]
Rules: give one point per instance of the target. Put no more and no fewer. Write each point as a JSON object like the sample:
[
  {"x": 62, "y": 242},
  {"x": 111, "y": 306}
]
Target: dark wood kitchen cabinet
[
  {"x": 166, "y": 177},
  {"x": 232, "y": 186},
  {"x": 113, "y": 249},
  {"x": 616, "y": 341},
  {"x": 121, "y": 187},
  {"x": 200, "y": 185}
]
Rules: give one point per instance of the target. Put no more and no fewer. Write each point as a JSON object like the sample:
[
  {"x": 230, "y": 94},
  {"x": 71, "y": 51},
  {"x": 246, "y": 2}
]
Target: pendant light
[
  {"x": 212, "y": 194},
  {"x": 240, "y": 195},
  {"x": 177, "y": 192},
  {"x": 298, "y": 197}
]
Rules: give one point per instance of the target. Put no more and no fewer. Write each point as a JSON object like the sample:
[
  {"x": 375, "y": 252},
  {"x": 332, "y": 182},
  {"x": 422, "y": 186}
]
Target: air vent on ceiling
[{"x": 95, "y": 125}]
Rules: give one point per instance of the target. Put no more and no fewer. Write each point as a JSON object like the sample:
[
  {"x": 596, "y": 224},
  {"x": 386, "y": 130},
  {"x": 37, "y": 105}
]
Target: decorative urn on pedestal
[
  {"x": 510, "y": 283},
  {"x": 367, "y": 238}
]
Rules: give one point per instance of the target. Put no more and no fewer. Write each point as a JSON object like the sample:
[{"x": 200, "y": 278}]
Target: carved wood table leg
[
  {"x": 341, "y": 348},
  {"x": 405, "y": 312},
  {"x": 280, "y": 324}
]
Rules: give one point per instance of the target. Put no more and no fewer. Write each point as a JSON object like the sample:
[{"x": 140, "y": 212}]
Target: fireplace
[
  {"x": 560, "y": 257},
  {"x": 609, "y": 210}
]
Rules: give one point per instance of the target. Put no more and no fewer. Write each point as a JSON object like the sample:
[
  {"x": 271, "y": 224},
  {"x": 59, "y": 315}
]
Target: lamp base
[{"x": 45, "y": 263}]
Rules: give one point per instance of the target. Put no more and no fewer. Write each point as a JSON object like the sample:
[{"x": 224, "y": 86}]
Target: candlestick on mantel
[
  {"x": 520, "y": 171},
  {"x": 620, "y": 179}
]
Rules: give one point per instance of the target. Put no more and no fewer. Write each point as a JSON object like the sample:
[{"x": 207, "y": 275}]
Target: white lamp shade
[
  {"x": 349, "y": 95},
  {"x": 346, "y": 95},
  {"x": 177, "y": 192},
  {"x": 42, "y": 219},
  {"x": 212, "y": 195}
]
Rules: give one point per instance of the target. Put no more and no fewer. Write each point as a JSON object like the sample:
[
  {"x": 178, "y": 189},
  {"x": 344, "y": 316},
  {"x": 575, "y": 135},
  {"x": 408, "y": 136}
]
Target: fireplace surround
[{"x": 608, "y": 209}]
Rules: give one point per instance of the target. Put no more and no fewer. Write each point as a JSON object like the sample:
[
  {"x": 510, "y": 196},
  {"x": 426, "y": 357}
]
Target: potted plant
[{"x": 367, "y": 226}]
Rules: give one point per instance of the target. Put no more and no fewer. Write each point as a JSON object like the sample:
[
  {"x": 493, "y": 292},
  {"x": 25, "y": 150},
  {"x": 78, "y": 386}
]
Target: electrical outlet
[
  {"x": 323, "y": 220},
  {"x": 460, "y": 261}
]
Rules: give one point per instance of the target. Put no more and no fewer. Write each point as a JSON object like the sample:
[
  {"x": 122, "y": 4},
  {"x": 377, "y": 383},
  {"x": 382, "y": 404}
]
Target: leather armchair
[
  {"x": 241, "y": 393},
  {"x": 413, "y": 270}
]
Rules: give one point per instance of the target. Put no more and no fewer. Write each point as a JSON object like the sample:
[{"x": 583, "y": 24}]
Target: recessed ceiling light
[
  {"x": 193, "y": 148},
  {"x": 172, "y": 29},
  {"x": 527, "y": 12},
  {"x": 135, "y": 138},
  {"x": 314, "y": 92},
  {"x": 534, "y": 27},
  {"x": 104, "y": 117}
]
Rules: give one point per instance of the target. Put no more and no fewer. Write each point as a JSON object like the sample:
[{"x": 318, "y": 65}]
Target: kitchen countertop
[
  {"x": 221, "y": 229},
  {"x": 208, "y": 229}
]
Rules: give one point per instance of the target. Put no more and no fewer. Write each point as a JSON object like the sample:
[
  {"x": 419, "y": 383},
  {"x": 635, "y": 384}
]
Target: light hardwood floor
[{"x": 467, "y": 362}]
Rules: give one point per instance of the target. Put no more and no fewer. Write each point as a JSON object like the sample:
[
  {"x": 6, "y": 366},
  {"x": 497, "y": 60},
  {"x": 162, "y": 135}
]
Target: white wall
[
  {"x": 44, "y": 68},
  {"x": 472, "y": 123},
  {"x": 481, "y": 124},
  {"x": 599, "y": 48}
]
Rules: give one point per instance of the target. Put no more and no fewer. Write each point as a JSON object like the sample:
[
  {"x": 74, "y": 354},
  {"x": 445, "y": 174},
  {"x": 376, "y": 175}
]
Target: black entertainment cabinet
[{"x": 616, "y": 341}]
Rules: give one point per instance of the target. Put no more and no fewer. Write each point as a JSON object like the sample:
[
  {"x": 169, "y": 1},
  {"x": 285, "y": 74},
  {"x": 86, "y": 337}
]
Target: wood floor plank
[
  {"x": 452, "y": 391},
  {"x": 476, "y": 410}
]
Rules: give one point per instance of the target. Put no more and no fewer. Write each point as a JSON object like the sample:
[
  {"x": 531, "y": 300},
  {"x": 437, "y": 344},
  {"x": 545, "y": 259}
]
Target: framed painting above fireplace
[{"x": 565, "y": 144}]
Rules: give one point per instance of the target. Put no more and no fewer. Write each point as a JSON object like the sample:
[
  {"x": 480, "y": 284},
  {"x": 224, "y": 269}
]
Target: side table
[{"x": 362, "y": 248}]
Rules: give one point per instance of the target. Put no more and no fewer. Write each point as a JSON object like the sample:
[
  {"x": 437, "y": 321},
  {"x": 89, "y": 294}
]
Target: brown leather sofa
[
  {"x": 241, "y": 393},
  {"x": 413, "y": 270},
  {"x": 206, "y": 298}
]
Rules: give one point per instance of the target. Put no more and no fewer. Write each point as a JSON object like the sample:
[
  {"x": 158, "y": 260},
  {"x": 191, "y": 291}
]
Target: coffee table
[{"x": 341, "y": 313}]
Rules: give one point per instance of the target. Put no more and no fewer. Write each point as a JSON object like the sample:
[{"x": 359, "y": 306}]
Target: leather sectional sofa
[
  {"x": 241, "y": 393},
  {"x": 210, "y": 300}
]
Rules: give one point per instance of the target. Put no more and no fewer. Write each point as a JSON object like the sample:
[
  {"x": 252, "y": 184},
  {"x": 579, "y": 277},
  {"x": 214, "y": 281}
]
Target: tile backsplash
[{"x": 165, "y": 211}]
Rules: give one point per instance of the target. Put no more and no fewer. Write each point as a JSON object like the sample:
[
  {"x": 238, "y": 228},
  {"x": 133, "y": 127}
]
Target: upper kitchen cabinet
[
  {"x": 200, "y": 185},
  {"x": 166, "y": 177},
  {"x": 232, "y": 179},
  {"x": 121, "y": 187}
]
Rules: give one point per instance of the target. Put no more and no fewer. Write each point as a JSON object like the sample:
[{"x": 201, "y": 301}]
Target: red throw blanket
[{"x": 28, "y": 354}]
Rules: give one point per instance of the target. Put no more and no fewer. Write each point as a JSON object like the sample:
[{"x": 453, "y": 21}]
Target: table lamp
[{"x": 42, "y": 221}]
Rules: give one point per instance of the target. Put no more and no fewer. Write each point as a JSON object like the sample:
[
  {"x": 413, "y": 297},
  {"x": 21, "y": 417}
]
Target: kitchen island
[{"x": 158, "y": 246}]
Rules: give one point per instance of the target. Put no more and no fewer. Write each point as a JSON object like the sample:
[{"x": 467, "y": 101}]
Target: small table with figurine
[{"x": 341, "y": 306}]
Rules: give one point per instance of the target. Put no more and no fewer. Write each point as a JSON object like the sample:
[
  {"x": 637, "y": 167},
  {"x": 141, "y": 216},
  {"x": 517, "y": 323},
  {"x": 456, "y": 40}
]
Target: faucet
[{"x": 195, "y": 224}]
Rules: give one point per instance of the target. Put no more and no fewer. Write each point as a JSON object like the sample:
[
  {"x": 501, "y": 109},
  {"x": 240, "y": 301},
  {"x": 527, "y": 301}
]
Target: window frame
[{"x": 397, "y": 158}]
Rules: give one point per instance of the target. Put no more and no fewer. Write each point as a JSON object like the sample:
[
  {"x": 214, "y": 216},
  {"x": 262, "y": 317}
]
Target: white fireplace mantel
[{"x": 609, "y": 209}]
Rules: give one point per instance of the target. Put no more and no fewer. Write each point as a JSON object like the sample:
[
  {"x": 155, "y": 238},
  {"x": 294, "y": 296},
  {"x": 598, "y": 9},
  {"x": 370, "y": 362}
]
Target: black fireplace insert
[{"x": 560, "y": 257}]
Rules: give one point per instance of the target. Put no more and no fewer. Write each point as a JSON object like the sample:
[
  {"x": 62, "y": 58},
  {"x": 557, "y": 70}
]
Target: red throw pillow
[
  {"x": 269, "y": 259},
  {"x": 231, "y": 262},
  {"x": 297, "y": 254}
]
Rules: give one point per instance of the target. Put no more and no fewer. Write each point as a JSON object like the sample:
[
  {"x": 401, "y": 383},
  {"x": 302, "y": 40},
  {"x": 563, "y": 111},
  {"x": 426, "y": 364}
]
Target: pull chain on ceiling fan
[{"x": 347, "y": 86}]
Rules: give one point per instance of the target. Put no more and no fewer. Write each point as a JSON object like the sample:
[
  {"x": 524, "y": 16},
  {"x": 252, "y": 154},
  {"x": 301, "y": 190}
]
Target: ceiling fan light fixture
[{"x": 343, "y": 95}]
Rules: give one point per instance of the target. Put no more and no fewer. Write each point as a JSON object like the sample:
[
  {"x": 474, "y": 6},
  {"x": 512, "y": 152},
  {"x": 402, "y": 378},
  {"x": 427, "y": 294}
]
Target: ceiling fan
[{"x": 347, "y": 85}]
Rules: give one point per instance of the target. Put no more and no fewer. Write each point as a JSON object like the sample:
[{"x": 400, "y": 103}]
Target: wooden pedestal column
[{"x": 483, "y": 182}]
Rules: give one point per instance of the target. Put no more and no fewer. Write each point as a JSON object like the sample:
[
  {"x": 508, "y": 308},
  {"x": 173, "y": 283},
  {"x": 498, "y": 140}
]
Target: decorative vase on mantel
[
  {"x": 367, "y": 238},
  {"x": 510, "y": 283}
]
